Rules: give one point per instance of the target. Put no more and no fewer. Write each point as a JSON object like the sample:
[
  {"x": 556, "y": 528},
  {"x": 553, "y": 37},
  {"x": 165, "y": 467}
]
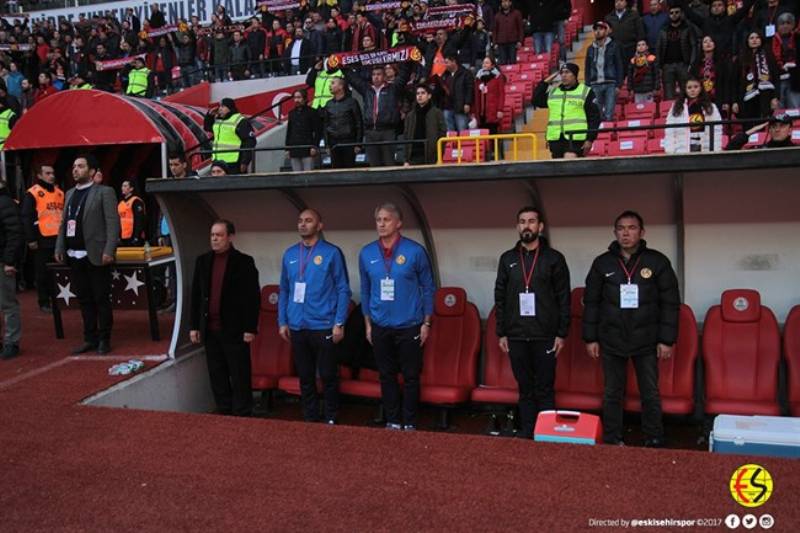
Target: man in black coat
[
  {"x": 11, "y": 242},
  {"x": 224, "y": 316},
  {"x": 303, "y": 128},
  {"x": 631, "y": 308},
  {"x": 343, "y": 124},
  {"x": 459, "y": 89},
  {"x": 532, "y": 298}
]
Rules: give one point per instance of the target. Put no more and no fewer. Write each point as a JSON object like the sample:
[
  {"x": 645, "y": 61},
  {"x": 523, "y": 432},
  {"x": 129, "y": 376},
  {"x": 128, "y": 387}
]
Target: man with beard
[
  {"x": 532, "y": 299},
  {"x": 631, "y": 307},
  {"x": 312, "y": 310}
]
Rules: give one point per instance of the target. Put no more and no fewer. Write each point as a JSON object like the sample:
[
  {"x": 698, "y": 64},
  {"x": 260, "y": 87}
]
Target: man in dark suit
[
  {"x": 87, "y": 237},
  {"x": 224, "y": 317}
]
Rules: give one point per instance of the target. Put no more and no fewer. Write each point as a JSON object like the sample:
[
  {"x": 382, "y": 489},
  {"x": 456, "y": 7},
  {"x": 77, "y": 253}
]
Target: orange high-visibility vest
[
  {"x": 49, "y": 209},
  {"x": 125, "y": 210}
]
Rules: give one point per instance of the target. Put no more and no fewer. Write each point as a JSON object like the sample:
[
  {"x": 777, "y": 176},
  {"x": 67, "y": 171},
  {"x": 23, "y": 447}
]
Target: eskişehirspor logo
[{"x": 751, "y": 485}]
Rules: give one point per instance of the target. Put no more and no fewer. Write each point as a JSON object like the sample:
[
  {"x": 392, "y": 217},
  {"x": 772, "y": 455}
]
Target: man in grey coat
[{"x": 87, "y": 240}]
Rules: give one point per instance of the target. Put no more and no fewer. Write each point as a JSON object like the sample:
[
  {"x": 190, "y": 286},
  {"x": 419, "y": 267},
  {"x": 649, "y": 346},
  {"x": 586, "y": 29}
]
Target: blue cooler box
[{"x": 774, "y": 436}]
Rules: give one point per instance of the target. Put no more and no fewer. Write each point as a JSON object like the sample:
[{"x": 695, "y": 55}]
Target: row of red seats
[{"x": 741, "y": 354}]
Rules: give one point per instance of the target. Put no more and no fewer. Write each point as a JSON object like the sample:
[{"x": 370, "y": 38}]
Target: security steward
[
  {"x": 631, "y": 305},
  {"x": 42, "y": 209},
  {"x": 532, "y": 299},
  {"x": 572, "y": 108},
  {"x": 232, "y": 132},
  {"x": 397, "y": 300},
  {"x": 131, "y": 216},
  {"x": 7, "y": 120},
  {"x": 226, "y": 299},
  {"x": 140, "y": 80},
  {"x": 320, "y": 79},
  {"x": 312, "y": 310},
  {"x": 79, "y": 83}
]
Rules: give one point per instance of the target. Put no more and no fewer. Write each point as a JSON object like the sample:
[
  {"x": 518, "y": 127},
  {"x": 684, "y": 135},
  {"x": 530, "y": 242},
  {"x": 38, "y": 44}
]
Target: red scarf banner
[
  {"x": 116, "y": 64},
  {"x": 398, "y": 54}
]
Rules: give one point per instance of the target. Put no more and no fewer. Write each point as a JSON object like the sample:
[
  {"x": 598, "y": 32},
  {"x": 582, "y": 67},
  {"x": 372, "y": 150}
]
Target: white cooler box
[{"x": 775, "y": 436}]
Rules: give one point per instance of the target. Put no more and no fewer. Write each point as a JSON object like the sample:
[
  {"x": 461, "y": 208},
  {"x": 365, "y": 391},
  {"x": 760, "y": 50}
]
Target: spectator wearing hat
[
  {"x": 779, "y": 134},
  {"x": 676, "y": 51},
  {"x": 626, "y": 27},
  {"x": 604, "y": 69},
  {"x": 233, "y": 135},
  {"x": 573, "y": 111}
]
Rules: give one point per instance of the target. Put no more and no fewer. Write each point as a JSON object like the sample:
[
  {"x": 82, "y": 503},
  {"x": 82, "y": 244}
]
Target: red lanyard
[
  {"x": 630, "y": 273},
  {"x": 304, "y": 261},
  {"x": 528, "y": 276},
  {"x": 387, "y": 264}
]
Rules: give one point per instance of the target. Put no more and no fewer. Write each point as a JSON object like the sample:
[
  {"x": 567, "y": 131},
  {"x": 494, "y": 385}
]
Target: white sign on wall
[{"x": 173, "y": 10}]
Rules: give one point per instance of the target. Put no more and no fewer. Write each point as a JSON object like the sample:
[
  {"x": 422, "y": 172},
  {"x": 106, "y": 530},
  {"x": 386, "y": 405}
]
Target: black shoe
[
  {"x": 654, "y": 443},
  {"x": 104, "y": 347},
  {"x": 83, "y": 348},
  {"x": 10, "y": 351}
]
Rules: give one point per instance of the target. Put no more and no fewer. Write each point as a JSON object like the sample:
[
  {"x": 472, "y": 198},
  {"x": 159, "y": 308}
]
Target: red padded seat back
[
  {"x": 270, "y": 355},
  {"x": 451, "y": 351},
  {"x": 741, "y": 352},
  {"x": 791, "y": 350},
  {"x": 576, "y": 372},
  {"x": 496, "y": 363}
]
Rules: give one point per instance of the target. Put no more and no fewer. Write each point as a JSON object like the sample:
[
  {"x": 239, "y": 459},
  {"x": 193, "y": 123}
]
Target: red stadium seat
[
  {"x": 791, "y": 350},
  {"x": 664, "y": 107},
  {"x": 506, "y": 69},
  {"x": 633, "y": 111},
  {"x": 498, "y": 383},
  {"x": 579, "y": 378},
  {"x": 367, "y": 385},
  {"x": 675, "y": 375},
  {"x": 598, "y": 148},
  {"x": 633, "y": 123},
  {"x": 606, "y": 135},
  {"x": 451, "y": 352},
  {"x": 741, "y": 352},
  {"x": 626, "y": 147},
  {"x": 270, "y": 355},
  {"x": 655, "y": 146}
]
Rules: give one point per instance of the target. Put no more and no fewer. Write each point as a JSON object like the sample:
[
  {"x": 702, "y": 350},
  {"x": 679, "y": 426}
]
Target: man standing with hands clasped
[
  {"x": 224, "y": 316},
  {"x": 397, "y": 299},
  {"x": 312, "y": 310},
  {"x": 532, "y": 298},
  {"x": 631, "y": 307}
]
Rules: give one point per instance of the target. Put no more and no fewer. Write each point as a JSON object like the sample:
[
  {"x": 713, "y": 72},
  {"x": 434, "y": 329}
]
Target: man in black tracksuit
[
  {"x": 532, "y": 298},
  {"x": 631, "y": 307}
]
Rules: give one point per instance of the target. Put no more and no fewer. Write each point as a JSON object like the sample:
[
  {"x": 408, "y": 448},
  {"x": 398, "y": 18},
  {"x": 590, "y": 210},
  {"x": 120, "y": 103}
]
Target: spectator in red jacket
[
  {"x": 490, "y": 86},
  {"x": 507, "y": 32},
  {"x": 362, "y": 28},
  {"x": 45, "y": 88}
]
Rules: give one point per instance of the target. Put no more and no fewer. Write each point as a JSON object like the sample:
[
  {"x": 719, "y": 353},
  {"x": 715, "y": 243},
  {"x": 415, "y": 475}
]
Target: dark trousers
[
  {"x": 229, "y": 372},
  {"x": 534, "y": 367},
  {"x": 672, "y": 73},
  {"x": 615, "y": 371},
  {"x": 93, "y": 286},
  {"x": 398, "y": 350},
  {"x": 560, "y": 147},
  {"x": 381, "y": 155},
  {"x": 507, "y": 53},
  {"x": 343, "y": 157},
  {"x": 312, "y": 349},
  {"x": 41, "y": 256}
]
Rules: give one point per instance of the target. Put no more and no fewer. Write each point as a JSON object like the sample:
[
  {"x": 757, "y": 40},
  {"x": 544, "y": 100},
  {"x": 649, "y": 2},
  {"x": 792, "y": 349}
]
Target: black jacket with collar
[
  {"x": 631, "y": 332},
  {"x": 550, "y": 284},
  {"x": 241, "y": 295},
  {"x": 11, "y": 233}
]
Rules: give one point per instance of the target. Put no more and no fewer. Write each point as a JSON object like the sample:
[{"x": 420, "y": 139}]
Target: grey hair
[
  {"x": 786, "y": 17},
  {"x": 392, "y": 208}
]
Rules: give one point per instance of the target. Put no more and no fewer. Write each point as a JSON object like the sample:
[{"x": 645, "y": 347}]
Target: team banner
[
  {"x": 398, "y": 54},
  {"x": 282, "y": 7},
  {"x": 450, "y": 11},
  {"x": 423, "y": 27},
  {"x": 149, "y": 34},
  {"x": 210, "y": 30},
  {"x": 383, "y": 6},
  {"x": 116, "y": 64},
  {"x": 24, "y": 47}
]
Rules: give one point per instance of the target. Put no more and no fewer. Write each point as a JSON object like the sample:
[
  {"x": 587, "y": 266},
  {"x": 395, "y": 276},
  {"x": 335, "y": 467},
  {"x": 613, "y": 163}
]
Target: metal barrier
[{"x": 497, "y": 137}]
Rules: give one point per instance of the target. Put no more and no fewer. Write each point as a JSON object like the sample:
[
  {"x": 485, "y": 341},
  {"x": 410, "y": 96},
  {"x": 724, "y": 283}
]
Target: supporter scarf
[
  {"x": 116, "y": 64},
  {"x": 378, "y": 57},
  {"x": 284, "y": 5},
  {"x": 383, "y": 6},
  {"x": 423, "y": 27},
  {"x": 758, "y": 78},
  {"x": 641, "y": 66},
  {"x": 210, "y": 30},
  {"x": 696, "y": 115},
  {"x": 163, "y": 30},
  {"x": 450, "y": 11},
  {"x": 487, "y": 75},
  {"x": 24, "y": 47},
  {"x": 709, "y": 76}
]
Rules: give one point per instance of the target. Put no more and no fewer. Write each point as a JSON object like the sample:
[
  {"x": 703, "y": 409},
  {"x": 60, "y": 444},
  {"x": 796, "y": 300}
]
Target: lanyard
[
  {"x": 528, "y": 276},
  {"x": 304, "y": 261},
  {"x": 387, "y": 264},
  {"x": 78, "y": 210},
  {"x": 629, "y": 273}
]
